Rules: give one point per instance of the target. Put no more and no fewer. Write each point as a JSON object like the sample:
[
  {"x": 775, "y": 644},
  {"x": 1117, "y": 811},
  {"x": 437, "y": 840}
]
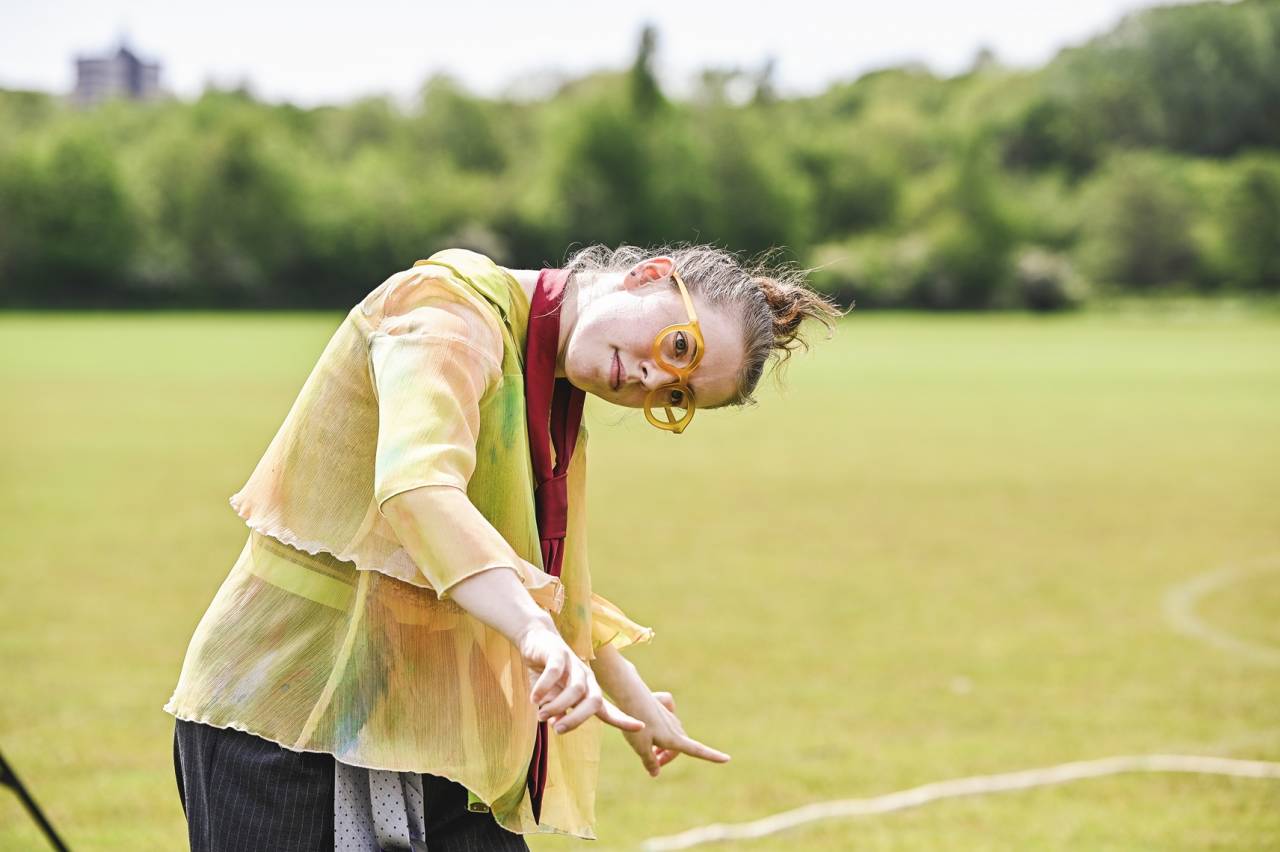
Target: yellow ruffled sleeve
[
  {"x": 430, "y": 378},
  {"x": 434, "y": 360},
  {"x": 611, "y": 626}
]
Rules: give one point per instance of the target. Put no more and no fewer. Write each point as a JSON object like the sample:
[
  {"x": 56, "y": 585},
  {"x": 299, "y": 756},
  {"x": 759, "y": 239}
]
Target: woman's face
[{"x": 623, "y": 323}]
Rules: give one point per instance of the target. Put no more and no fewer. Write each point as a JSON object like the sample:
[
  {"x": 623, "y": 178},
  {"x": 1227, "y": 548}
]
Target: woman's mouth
[{"x": 615, "y": 371}]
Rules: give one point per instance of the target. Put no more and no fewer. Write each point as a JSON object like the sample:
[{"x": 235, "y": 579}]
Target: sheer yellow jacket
[{"x": 326, "y": 636}]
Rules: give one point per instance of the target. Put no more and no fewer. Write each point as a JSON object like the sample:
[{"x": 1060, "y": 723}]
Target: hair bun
[{"x": 787, "y": 307}]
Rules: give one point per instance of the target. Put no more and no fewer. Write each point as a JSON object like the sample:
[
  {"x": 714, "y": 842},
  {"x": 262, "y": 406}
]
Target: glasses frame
[{"x": 694, "y": 329}]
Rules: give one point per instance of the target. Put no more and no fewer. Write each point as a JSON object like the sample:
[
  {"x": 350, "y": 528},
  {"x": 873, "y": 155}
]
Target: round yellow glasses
[{"x": 677, "y": 349}]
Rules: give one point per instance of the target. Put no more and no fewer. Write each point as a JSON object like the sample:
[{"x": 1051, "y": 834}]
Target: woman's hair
[{"x": 772, "y": 303}]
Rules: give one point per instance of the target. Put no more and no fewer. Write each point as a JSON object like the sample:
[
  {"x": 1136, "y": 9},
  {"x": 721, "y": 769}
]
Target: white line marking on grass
[
  {"x": 1181, "y": 601},
  {"x": 1180, "y": 609},
  {"x": 974, "y": 785}
]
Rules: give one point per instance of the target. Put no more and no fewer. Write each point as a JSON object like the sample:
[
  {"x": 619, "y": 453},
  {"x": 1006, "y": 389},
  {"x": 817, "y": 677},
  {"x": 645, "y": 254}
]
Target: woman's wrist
[
  {"x": 497, "y": 597},
  {"x": 617, "y": 676},
  {"x": 541, "y": 621}
]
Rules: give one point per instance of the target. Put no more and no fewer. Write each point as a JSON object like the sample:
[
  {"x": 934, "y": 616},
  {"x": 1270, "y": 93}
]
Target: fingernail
[{"x": 560, "y": 729}]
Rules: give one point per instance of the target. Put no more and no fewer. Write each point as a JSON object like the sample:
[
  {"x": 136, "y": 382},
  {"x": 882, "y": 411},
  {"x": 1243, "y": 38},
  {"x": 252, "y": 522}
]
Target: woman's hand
[
  {"x": 562, "y": 681},
  {"x": 663, "y": 739}
]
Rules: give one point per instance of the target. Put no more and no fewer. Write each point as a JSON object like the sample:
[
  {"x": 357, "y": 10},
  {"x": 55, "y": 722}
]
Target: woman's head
[{"x": 626, "y": 296}]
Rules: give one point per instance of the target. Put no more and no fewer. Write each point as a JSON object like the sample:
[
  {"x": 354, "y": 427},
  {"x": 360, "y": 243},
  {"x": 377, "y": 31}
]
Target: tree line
[{"x": 1145, "y": 160}]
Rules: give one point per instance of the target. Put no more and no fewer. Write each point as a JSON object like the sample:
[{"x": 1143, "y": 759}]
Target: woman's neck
[{"x": 528, "y": 279}]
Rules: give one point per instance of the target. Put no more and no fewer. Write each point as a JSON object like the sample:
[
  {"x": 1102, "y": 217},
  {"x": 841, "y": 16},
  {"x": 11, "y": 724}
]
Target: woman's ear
[
  {"x": 648, "y": 271},
  {"x": 635, "y": 278}
]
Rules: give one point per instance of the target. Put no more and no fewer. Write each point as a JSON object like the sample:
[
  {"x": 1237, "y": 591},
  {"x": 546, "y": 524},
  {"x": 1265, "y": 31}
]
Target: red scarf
[{"x": 554, "y": 409}]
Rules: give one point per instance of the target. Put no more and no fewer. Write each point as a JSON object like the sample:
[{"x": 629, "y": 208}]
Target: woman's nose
[{"x": 652, "y": 376}]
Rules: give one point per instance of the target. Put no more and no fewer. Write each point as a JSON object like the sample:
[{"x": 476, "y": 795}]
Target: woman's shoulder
[
  {"x": 481, "y": 274},
  {"x": 432, "y": 299}
]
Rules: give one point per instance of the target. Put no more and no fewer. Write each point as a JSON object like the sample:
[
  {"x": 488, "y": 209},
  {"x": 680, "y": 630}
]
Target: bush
[
  {"x": 970, "y": 237},
  {"x": 854, "y": 188},
  {"x": 68, "y": 228},
  {"x": 1137, "y": 228},
  {"x": 1251, "y": 226},
  {"x": 1049, "y": 133},
  {"x": 874, "y": 271},
  {"x": 1047, "y": 281}
]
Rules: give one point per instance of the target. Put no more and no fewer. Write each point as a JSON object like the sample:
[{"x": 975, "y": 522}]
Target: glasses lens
[
  {"x": 679, "y": 348},
  {"x": 670, "y": 405}
]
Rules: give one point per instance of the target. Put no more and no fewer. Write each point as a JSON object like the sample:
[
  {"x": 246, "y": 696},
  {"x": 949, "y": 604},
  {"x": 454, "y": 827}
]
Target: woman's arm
[
  {"x": 497, "y": 598},
  {"x": 430, "y": 518},
  {"x": 663, "y": 737},
  {"x": 500, "y": 600},
  {"x": 425, "y": 519},
  {"x": 618, "y": 676}
]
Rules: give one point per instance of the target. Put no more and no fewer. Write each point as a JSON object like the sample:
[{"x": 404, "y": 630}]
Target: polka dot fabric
[{"x": 377, "y": 810}]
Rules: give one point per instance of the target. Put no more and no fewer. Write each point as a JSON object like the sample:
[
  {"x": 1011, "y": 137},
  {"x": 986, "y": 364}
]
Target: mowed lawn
[{"x": 943, "y": 549}]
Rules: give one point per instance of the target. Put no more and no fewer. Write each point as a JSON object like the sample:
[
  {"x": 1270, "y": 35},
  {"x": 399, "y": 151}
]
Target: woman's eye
[
  {"x": 677, "y": 397},
  {"x": 681, "y": 345}
]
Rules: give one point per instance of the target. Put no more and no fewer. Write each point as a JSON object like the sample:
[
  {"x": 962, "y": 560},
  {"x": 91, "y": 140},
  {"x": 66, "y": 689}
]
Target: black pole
[{"x": 10, "y": 779}]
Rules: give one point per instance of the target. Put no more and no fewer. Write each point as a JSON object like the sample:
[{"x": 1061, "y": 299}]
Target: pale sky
[{"x": 311, "y": 53}]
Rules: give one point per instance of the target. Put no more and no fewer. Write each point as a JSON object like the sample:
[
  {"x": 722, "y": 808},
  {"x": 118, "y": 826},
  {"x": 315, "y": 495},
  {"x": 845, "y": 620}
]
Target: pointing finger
[{"x": 690, "y": 746}]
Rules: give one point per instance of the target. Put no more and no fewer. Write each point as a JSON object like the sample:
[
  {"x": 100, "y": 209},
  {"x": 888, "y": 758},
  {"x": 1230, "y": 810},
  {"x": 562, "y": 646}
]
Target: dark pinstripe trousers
[{"x": 243, "y": 793}]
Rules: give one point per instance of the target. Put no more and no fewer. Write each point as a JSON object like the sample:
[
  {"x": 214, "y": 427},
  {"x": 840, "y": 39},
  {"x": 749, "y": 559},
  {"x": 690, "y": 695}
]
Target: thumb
[{"x": 611, "y": 714}]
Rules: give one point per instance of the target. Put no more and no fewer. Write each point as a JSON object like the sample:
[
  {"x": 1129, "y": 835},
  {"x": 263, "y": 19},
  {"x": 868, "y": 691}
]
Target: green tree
[
  {"x": 603, "y": 175},
  {"x": 228, "y": 199},
  {"x": 1252, "y": 226},
  {"x": 1200, "y": 78},
  {"x": 1048, "y": 133},
  {"x": 761, "y": 199},
  {"x": 453, "y": 124},
  {"x": 972, "y": 238},
  {"x": 1138, "y": 217},
  {"x": 855, "y": 187},
  {"x": 68, "y": 229},
  {"x": 646, "y": 93}
]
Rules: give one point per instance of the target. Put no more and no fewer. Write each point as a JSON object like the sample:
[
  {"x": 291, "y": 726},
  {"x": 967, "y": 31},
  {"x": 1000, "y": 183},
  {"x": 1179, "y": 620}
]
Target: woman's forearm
[
  {"x": 457, "y": 550},
  {"x": 617, "y": 676},
  {"x": 500, "y": 600}
]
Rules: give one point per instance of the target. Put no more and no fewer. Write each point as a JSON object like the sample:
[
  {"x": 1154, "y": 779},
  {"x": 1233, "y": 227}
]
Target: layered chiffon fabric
[{"x": 327, "y": 636}]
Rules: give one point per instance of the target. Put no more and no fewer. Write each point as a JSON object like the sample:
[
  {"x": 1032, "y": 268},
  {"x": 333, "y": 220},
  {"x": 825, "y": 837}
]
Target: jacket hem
[{"x": 544, "y": 828}]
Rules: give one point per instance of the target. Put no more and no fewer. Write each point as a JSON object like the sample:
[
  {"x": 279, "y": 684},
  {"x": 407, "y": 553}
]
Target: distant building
[{"x": 122, "y": 75}]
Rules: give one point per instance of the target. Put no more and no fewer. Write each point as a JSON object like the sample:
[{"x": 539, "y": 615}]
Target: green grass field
[{"x": 942, "y": 550}]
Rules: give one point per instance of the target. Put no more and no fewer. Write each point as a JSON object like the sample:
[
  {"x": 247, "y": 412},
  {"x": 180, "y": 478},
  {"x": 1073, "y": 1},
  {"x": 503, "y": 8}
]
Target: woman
[{"x": 363, "y": 679}]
